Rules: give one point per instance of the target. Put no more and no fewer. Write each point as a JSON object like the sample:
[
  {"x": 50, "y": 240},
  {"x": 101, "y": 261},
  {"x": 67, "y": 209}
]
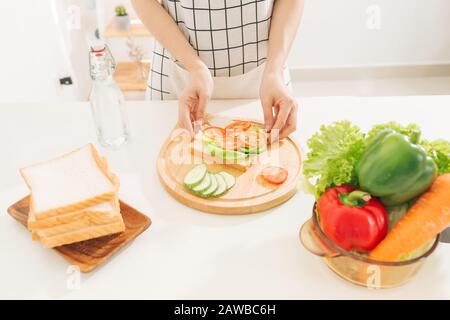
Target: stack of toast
[{"x": 73, "y": 198}]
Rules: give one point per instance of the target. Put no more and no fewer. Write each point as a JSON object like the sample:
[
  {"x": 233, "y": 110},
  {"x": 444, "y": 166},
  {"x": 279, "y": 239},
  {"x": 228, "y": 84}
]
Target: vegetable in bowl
[
  {"x": 391, "y": 163},
  {"x": 428, "y": 217},
  {"x": 333, "y": 154},
  {"x": 336, "y": 149},
  {"x": 394, "y": 168},
  {"x": 352, "y": 218}
]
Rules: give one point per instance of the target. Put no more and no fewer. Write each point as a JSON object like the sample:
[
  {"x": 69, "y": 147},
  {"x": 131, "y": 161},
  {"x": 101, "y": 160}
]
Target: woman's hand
[
  {"x": 280, "y": 108},
  {"x": 194, "y": 97}
]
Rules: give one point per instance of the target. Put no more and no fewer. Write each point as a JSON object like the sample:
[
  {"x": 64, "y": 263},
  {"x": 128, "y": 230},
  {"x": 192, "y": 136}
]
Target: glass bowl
[{"x": 356, "y": 268}]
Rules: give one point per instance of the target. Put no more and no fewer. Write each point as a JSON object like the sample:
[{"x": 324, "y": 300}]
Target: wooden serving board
[
  {"x": 90, "y": 254},
  {"x": 250, "y": 194}
]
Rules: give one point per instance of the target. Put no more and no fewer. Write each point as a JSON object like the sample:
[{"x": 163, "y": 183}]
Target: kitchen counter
[{"x": 186, "y": 253}]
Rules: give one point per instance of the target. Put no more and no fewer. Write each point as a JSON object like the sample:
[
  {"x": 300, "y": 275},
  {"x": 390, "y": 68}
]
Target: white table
[{"x": 186, "y": 253}]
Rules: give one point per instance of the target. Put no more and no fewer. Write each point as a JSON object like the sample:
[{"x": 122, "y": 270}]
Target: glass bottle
[{"x": 107, "y": 101}]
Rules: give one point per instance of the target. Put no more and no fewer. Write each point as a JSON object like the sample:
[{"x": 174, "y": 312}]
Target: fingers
[
  {"x": 268, "y": 114},
  {"x": 291, "y": 123},
  {"x": 184, "y": 117},
  {"x": 201, "y": 107},
  {"x": 198, "y": 113},
  {"x": 284, "y": 110}
]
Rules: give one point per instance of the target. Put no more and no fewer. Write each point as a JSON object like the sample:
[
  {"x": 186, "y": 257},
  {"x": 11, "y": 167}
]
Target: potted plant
[{"x": 122, "y": 18}]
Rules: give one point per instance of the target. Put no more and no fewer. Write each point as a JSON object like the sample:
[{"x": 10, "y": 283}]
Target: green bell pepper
[{"x": 395, "y": 168}]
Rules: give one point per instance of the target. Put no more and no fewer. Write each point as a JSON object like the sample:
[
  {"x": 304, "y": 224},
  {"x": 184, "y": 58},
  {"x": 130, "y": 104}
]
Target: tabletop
[{"x": 187, "y": 254}]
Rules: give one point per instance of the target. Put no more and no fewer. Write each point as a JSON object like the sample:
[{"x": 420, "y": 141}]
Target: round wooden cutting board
[{"x": 250, "y": 194}]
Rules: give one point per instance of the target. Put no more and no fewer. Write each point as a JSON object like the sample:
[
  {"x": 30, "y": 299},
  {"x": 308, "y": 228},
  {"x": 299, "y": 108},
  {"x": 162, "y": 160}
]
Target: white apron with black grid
[{"x": 230, "y": 37}]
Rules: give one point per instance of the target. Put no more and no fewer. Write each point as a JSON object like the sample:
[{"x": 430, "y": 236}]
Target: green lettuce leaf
[
  {"x": 411, "y": 130},
  {"x": 439, "y": 150},
  {"x": 334, "y": 152},
  {"x": 336, "y": 149}
]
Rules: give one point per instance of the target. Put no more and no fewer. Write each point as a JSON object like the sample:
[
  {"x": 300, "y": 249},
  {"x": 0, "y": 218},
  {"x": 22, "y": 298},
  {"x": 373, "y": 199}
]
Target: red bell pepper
[{"x": 352, "y": 219}]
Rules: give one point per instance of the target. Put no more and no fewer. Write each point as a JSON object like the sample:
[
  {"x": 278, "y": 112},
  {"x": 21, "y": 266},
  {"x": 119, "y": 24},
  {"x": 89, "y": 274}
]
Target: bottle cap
[{"x": 98, "y": 46}]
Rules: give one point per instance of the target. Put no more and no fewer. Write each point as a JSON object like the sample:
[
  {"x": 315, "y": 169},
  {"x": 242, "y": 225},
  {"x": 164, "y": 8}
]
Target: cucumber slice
[
  {"x": 212, "y": 188},
  {"x": 255, "y": 150},
  {"x": 230, "y": 180},
  {"x": 209, "y": 148},
  {"x": 222, "y": 185},
  {"x": 195, "y": 176},
  {"x": 214, "y": 150},
  {"x": 244, "y": 150},
  {"x": 205, "y": 184},
  {"x": 230, "y": 155},
  {"x": 262, "y": 149},
  {"x": 234, "y": 155}
]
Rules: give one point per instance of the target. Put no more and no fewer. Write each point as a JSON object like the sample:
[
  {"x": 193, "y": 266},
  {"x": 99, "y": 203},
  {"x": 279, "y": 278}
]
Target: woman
[{"x": 223, "y": 49}]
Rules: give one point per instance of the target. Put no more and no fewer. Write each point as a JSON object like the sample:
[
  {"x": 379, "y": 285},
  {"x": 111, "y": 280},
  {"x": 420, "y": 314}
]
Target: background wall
[
  {"x": 335, "y": 33},
  {"x": 31, "y": 55},
  {"x": 109, "y": 6},
  {"x": 43, "y": 41},
  {"x": 106, "y": 10}
]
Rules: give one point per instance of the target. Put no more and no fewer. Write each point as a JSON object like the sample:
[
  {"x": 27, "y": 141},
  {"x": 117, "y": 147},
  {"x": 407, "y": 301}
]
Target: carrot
[{"x": 429, "y": 216}]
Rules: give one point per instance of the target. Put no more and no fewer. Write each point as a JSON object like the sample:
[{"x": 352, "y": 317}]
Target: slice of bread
[
  {"x": 99, "y": 211},
  {"x": 72, "y": 182},
  {"x": 101, "y": 214},
  {"x": 88, "y": 220},
  {"x": 82, "y": 234}
]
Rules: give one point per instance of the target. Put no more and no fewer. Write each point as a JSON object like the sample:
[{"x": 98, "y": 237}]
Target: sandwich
[{"x": 237, "y": 145}]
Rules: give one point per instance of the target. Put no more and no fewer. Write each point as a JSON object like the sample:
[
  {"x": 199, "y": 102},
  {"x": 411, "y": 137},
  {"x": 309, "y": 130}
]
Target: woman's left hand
[{"x": 279, "y": 107}]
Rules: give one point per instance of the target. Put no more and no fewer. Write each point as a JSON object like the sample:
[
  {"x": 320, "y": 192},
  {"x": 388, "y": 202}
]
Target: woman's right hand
[{"x": 194, "y": 98}]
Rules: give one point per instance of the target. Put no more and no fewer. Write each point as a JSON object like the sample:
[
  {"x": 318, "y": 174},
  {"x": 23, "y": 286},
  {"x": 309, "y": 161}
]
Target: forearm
[
  {"x": 286, "y": 18},
  {"x": 166, "y": 31}
]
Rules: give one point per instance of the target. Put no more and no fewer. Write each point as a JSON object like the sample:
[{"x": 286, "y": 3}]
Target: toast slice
[
  {"x": 77, "y": 180},
  {"x": 101, "y": 214},
  {"x": 86, "y": 222},
  {"x": 82, "y": 234},
  {"x": 97, "y": 212}
]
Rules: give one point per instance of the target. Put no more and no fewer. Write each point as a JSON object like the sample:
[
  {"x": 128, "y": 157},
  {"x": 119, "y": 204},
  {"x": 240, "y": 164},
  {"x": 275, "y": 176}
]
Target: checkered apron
[{"x": 229, "y": 36}]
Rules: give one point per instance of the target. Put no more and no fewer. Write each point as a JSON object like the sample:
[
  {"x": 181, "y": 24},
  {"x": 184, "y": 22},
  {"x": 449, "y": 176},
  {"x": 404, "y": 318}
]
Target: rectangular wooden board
[{"x": 90, "y": 254}]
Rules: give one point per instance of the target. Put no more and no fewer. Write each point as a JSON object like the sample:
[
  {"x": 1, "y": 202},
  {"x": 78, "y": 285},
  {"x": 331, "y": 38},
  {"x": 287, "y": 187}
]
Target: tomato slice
[
  {"x": 253, "y": 138},
  {"x": 238, "y": 126},
  {"x": 274, "y": 174},
  {"x": 215, "y": 133}
]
